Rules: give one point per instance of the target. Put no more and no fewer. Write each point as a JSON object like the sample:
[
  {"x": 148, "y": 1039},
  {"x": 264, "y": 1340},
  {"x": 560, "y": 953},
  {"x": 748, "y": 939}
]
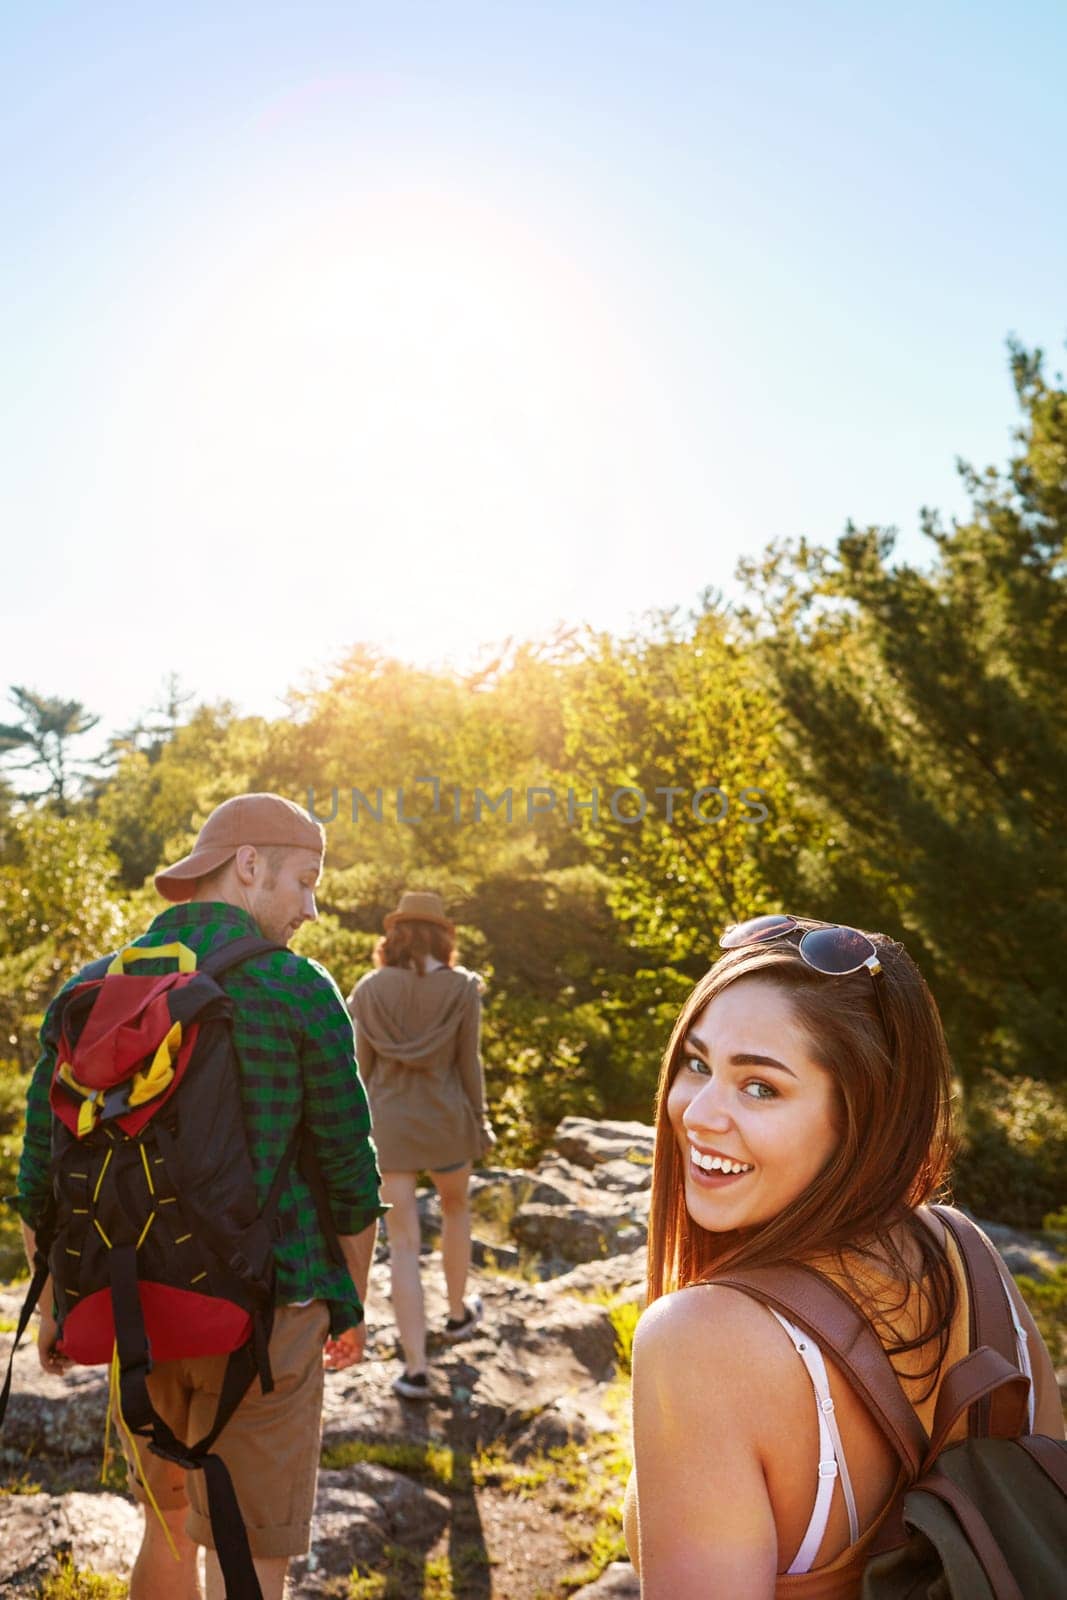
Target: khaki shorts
[{"x": 270, "y": 1444}]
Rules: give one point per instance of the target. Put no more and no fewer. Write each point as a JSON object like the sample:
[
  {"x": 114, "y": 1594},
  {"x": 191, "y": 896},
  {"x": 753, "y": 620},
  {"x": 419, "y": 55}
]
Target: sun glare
[{"x": 416, "y": 376}]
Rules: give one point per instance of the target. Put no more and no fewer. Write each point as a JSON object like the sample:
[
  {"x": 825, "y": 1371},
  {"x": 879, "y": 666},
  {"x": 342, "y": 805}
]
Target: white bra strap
[
  {"x": 831, "y": 1453},
  {"x": 1022, "y": 1348}
]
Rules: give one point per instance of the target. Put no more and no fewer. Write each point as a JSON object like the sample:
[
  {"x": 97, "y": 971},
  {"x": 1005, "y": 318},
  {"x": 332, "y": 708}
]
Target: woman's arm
[
  {"x": 366, "y": 1059},
  {"x": 705, "y": 1524},
  {"x": 469, "y": 1060}
]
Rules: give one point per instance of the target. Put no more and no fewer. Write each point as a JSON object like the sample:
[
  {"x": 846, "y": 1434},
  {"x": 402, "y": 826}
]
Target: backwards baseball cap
[{"x": 256, "y": 819}]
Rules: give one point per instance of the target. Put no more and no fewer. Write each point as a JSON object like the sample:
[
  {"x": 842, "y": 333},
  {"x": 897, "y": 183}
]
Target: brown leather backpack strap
[
  {"x": 844, "y": 1333},
  {"x": 991, "y": 1322},
  {"x": 991, "y": 1318},
  {"x": 969, "y": 1381},
  {"x": 1050, "y": 1455}
]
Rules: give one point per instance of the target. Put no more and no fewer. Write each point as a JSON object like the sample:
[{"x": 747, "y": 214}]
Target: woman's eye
[
  {"x": 696, "y": 1064},
  {"x": 764, "y": 1091}
]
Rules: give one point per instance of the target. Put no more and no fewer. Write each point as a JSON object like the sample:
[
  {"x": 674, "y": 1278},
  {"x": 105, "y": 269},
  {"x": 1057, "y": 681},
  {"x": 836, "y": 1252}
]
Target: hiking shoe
[
  {"x": 412, "y": 1386},
  {"x": 457, "y": 1328}
]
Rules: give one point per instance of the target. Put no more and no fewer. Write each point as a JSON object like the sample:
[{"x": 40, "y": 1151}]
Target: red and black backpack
[{"x": 152, "y": 1232}]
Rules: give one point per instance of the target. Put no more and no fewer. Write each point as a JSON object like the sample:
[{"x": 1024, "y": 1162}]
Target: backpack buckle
[
  {"x": 116, "y": 1102},
  {"x": 190, "y": 1463}
]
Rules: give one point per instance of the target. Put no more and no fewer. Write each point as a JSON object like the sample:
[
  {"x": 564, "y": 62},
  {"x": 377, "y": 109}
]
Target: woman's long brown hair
[
  {"x": 408, "y": 943},
  {"x": 894, "y": 1101}
]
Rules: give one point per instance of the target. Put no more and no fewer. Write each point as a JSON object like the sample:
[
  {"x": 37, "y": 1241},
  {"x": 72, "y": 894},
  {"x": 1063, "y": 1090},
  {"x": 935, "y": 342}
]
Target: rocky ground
[{"x": 507, "y": 1486}]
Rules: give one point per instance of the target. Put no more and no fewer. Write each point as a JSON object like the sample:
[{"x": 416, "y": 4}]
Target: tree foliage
[
  {"x": 60, "y": 906},
  {"x": 925, "y": 710},
  {"x": 43, "y": 738}
]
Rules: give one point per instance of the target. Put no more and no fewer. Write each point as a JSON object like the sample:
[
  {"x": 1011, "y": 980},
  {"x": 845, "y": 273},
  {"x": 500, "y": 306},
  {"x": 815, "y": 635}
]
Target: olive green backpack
[{"x": 984, "y": 1518}]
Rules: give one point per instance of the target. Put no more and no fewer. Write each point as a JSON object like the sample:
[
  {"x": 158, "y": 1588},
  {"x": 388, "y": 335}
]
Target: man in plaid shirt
[{"x": 254, "y": 869}]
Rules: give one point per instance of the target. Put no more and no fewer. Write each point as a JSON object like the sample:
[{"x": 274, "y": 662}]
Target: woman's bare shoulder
[{"x": 710, "y": 1323}]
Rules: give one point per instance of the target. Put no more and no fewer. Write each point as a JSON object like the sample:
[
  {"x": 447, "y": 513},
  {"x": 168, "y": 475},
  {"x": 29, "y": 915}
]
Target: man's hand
[
  {"x": 346, "y": 1350},
  {"x": 47, "y": 1354}
]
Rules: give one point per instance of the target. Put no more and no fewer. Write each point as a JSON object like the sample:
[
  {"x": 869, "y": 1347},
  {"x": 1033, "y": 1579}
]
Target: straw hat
[{"x": 416, "y": 906}]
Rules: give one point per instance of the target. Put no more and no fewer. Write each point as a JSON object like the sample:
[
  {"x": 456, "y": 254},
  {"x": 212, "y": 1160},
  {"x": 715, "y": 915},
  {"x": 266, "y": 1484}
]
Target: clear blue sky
[{"x": 423, "y": 325}]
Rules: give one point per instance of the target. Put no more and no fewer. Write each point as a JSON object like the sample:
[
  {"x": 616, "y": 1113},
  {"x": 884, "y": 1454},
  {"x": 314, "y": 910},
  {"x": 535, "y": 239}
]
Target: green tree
[
  {"x": 533, "y": 913},
  {"x": 674, "y": 714},
  {"x": 60, "y": 906},
  {"x": 156, "y": 727},
  {"x": 153, "y": 802},
  {"x": 44, "y": 736},
  {"x": 925, "y": 713}
]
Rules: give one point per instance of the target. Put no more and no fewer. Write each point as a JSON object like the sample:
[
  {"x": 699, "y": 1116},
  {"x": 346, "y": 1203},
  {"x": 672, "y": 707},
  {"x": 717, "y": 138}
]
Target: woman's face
[{"x": 748, "y": 1093}]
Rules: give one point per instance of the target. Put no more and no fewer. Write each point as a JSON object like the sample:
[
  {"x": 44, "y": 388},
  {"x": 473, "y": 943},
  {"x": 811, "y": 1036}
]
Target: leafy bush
[
  {"x": 1047, "y": 1300},
  {"x": 1012, "y": 1166},
  {"x": 13, "y": 1086}
]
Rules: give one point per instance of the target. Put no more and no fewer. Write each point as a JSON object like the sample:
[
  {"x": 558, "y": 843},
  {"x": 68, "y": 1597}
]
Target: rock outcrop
[
  {"x": 534, "y": 1378},
  {"x": 100, "y": 1532}
]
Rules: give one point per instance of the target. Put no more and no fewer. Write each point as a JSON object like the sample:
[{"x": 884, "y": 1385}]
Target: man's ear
[{"x": 246, "y": 863}]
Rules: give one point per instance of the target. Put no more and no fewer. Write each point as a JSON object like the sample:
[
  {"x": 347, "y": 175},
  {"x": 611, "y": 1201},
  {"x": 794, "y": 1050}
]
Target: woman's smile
[{"x": 709, "y": 1164}]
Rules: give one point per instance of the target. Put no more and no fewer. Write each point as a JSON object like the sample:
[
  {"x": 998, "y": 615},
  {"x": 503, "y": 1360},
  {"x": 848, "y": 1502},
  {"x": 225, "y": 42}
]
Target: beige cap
[
  {"x": 257, "y": 819},
  {"x": 419, "y": 907}
]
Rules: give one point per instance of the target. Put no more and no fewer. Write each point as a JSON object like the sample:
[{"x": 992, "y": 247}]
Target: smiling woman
[{"x": 803, "y": 1123}]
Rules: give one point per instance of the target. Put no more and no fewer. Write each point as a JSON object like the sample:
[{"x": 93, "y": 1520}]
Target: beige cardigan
[{"x": 417, "y": 1040}]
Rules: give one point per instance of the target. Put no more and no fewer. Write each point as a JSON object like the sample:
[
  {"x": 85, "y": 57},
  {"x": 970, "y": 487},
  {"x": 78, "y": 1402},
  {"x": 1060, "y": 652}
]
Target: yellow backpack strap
[{"x": 185, "y": 957}]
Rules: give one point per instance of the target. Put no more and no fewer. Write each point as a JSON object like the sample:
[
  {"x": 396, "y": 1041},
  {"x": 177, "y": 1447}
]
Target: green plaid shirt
[{"x": 294, "y": 1039}]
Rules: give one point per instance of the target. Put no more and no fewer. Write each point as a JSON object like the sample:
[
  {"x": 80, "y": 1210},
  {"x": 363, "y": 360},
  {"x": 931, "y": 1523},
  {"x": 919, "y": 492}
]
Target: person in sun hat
[
  {"x": 417, "y": 1019},
  {"x": 253, "y": 870},
  {"x": 803, "y": 1130}
]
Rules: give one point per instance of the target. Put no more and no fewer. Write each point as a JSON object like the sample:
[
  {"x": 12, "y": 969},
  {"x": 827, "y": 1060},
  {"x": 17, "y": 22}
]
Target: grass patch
[
  {"x": 69, "y": 1582},
  {"x": 600, "y": 1548},
  {"x": 526, "y": 1270},
  {"x": 496, "y": 1204},
  {"x": 430, "y": 1463},
  {"x": 23, "y": 1484},
  {"x": 624, "y": 1316},
  {"x": 410, "y": 1576},
  {"x": 583, "y": 1484},
  {"x": 580, "y": 1485}
]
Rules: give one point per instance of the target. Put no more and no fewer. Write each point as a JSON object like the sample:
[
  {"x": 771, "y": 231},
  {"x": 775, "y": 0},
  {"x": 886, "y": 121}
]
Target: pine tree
[
  {"x": 45, "y": 734},
  {"x": 926, "y": 710}
]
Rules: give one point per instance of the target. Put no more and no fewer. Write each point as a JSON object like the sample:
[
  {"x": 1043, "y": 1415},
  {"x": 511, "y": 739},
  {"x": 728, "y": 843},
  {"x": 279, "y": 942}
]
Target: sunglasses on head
[{"x": 833, "y": 949}]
